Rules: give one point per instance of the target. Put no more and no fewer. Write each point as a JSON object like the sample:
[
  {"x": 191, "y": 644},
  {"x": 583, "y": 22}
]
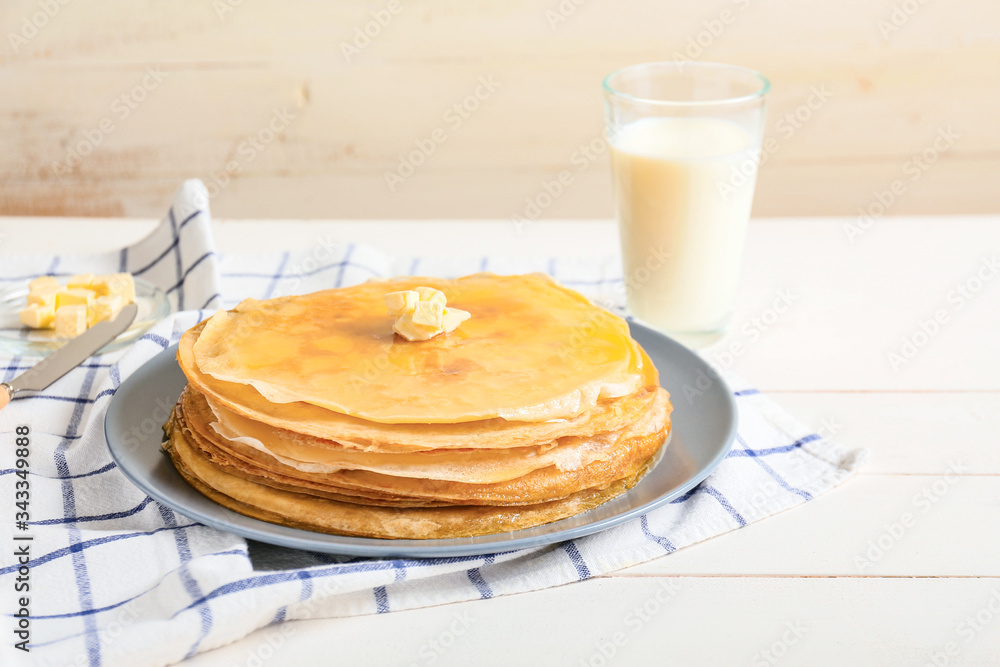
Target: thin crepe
[
  {"x": 311, "y": 455},
  {"x": 299, "y": 510},
  {"x": 326, "y": 426},
  {"x": 619, "y": 457},
  {"x": 532, "y": 351}
]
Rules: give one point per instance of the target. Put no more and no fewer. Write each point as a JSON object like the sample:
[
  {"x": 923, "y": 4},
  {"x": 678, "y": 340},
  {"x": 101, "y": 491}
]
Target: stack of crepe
[{"x": 308, "y": 411}]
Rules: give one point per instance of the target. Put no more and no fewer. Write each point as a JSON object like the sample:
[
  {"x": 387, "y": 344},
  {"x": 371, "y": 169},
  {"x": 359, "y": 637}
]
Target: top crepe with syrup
[{"x": 532, "y": 351}]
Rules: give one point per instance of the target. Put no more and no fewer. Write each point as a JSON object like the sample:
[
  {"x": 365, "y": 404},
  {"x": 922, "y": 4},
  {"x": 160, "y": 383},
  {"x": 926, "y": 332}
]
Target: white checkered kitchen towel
[{"x": 117, "y": 579}]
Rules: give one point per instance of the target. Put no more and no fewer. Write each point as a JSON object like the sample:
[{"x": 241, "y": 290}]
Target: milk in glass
[{"x": 684, "y": 188}]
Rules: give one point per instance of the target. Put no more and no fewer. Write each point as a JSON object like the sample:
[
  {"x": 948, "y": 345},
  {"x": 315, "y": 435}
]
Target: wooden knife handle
[{"x": 5, "y": 394}]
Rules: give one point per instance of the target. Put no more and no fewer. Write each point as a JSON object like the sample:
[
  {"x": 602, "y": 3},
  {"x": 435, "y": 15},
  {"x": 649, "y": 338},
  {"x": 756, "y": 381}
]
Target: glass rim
[{"x": 765, "y": 84}]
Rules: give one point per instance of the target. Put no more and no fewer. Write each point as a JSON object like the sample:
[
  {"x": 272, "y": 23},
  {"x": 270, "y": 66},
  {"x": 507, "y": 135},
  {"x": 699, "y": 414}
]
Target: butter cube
[
  {"x": 453, "y": 317},
  {"x": 74, "y": 297},
  {"x": 43, "y": 284},
  {"x": 431, "y": 295},
  {"x": 410, "y": 330},
  {"x": 38, "y": 316},
  {"x": 103, "y": 308},
  {"x": 43, "y": 296},
  {"x": 421, "y": 313},
  {"x": 81, "y": 280},
  {"x": 428, "y": 313},
  {"x": 71, "y": 320},
  {"x": 398, "y": 303},
  {"x": 121, "y": 284}
]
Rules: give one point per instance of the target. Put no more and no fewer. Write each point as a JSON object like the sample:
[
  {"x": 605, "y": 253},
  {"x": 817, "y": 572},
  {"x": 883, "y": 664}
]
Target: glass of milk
[{"x": 685, "y": 145}]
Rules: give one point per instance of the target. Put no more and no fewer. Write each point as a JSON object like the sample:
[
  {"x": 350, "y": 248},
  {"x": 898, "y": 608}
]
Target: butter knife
[{"x": 69, "y": 356}]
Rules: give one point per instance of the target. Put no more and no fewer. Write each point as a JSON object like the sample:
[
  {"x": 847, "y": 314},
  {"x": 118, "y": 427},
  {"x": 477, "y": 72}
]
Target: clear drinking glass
[{"x": 685, "y": 146}]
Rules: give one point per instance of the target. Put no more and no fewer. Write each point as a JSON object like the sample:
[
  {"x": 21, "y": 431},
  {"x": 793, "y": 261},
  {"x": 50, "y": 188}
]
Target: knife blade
[{"x": 69, "y": 356}]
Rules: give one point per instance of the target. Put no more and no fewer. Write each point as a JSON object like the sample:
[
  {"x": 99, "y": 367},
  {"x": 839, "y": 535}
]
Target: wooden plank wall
[{"x": 105, "y": 105}]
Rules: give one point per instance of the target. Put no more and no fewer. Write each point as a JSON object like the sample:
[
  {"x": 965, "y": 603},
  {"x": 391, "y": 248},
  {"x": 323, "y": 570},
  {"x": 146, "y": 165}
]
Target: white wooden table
[{"x": 898, "y": 566}]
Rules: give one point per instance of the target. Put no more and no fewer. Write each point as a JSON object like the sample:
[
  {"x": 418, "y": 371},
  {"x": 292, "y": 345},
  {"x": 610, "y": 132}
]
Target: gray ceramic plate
[{"x": 703, "y": 432}]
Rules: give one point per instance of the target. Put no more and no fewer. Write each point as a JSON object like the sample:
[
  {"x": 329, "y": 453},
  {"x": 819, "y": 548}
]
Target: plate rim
[{"x": 316, "y": 541}]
